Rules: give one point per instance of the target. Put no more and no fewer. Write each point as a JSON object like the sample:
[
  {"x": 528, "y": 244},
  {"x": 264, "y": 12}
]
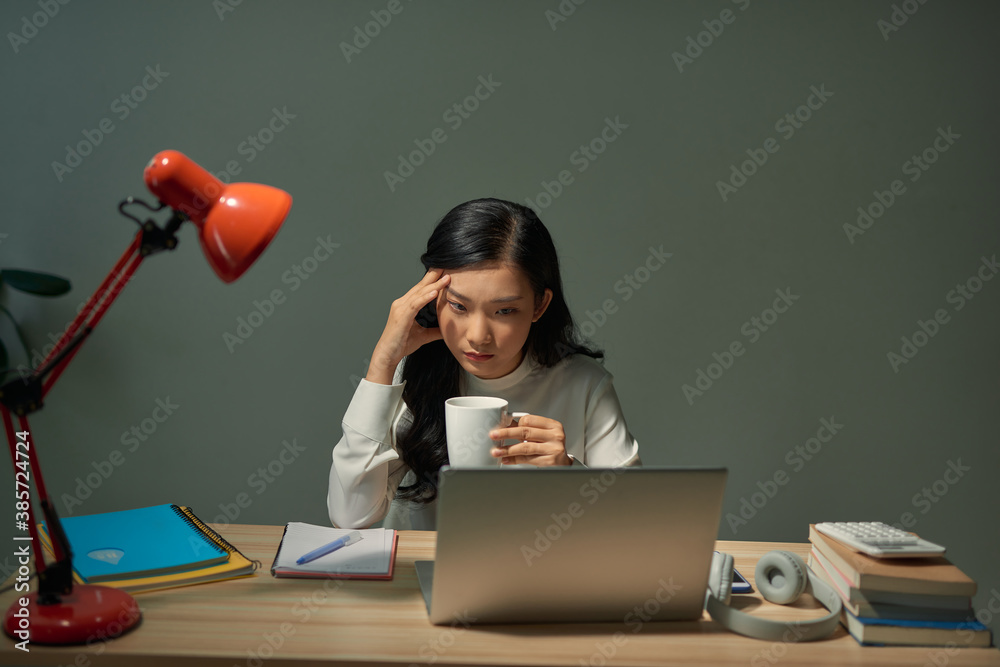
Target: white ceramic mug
[{"x": 468, "y": 421}]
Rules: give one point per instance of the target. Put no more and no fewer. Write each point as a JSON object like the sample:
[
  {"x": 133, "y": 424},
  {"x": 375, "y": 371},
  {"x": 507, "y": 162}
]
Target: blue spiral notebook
[{"x": 147, "y": 541}]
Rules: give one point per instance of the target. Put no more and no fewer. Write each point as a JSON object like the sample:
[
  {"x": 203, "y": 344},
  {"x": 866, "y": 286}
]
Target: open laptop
[{"x": 536, "y": 545}]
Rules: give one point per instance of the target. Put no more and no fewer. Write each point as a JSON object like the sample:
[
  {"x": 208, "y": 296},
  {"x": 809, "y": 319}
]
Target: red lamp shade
[{"x": 235, "y": 222}]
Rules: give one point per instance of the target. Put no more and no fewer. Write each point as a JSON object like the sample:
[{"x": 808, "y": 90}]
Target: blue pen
[{"x": 346, "y": 540}]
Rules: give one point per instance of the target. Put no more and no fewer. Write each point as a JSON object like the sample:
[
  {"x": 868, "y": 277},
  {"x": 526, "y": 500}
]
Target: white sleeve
[
  {"x": 366, "y": 467},
  {"x": 609, "y": 444}
]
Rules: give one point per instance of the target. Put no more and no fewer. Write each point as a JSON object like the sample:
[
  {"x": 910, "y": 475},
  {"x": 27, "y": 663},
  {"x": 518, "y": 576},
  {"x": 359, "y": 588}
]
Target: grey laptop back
[{"x": 530, "y": 545}]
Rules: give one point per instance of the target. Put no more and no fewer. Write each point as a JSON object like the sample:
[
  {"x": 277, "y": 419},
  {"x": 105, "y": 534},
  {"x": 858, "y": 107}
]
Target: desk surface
[{"x": 262, "y": 621}]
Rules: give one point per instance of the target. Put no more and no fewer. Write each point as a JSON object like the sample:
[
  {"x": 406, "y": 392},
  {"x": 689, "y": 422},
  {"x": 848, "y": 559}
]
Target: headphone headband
[{"x": 781, "y": 577}]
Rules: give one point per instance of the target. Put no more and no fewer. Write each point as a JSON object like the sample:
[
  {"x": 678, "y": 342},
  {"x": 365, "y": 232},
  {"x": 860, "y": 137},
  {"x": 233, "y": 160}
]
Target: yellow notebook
[{"x": 237, "y": 565}]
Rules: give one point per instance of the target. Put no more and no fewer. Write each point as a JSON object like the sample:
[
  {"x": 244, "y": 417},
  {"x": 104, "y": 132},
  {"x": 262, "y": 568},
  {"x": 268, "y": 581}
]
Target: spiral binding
[{"x": 208, "y": 533}]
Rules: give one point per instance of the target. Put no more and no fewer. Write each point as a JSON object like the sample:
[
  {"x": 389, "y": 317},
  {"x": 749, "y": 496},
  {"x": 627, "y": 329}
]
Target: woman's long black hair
[{"x": 482, "y": 230}]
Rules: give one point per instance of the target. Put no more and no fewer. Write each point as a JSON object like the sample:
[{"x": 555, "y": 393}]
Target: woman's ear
[{"x": 542, "y": 305}]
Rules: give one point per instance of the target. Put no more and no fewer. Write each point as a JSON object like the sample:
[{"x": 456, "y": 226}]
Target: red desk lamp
[{"x": 235, "y": 223}]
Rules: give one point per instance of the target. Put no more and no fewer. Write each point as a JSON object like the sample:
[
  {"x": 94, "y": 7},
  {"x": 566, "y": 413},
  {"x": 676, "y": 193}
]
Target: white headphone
[{"x": 781, "y": 577}]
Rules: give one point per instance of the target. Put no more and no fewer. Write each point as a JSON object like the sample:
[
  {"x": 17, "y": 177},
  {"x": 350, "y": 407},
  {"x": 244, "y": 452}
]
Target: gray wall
[{"x": 886, "y": 95}]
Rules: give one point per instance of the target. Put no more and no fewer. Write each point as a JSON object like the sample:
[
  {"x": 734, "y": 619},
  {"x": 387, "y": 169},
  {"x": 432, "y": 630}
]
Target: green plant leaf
[{"x": 32, "y": 282}]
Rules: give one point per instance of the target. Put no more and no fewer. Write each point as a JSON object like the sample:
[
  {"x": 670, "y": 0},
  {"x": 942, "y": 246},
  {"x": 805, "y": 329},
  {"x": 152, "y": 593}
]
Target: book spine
[{"x": 820, "y": 544}]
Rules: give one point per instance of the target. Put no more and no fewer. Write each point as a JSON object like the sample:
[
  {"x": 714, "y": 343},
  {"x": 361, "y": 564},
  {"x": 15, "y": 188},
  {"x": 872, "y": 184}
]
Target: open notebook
[{"x": 372, "y": 558}]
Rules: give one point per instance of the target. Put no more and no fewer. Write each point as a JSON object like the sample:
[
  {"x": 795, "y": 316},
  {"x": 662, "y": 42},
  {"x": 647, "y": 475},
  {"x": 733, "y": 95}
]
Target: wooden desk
[{"x": 266, "y": 622}]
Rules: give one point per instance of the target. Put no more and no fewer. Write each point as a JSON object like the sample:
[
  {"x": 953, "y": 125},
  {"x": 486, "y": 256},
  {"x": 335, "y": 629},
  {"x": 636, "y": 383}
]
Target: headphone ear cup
[
  {"x": 720, "y": 577},
  {"x": 781, "y": 577}
]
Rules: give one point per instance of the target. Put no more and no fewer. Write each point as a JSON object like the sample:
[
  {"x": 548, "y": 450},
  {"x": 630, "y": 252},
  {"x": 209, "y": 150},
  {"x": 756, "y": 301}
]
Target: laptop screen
[{"x": 527, "y": 544}]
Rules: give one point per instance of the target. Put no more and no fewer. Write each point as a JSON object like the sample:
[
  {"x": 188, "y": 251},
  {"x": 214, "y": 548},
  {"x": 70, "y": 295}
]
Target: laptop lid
[{"x": 531, "y": 545}]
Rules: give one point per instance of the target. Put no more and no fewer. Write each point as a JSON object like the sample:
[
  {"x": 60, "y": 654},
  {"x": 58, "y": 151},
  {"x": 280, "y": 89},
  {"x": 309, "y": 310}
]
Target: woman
[{"x": 487, "y": 319}]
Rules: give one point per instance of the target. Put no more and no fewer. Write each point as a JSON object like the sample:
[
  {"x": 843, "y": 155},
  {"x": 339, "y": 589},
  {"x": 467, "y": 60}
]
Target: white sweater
[{"x": 366, "y": 468}]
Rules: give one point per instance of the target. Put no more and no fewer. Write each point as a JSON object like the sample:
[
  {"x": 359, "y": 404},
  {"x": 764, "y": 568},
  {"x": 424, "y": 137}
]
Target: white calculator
[{"x": 879, "y": 540}]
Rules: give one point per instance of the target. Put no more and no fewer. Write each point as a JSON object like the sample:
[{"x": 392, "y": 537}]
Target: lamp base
[{"x": 86, "y": 615}]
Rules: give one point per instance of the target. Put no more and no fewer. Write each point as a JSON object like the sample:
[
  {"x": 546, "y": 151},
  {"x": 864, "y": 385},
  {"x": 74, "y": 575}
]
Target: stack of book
[
  {"x": 148, "y": 548},
  {"x": 905, "y": 601}
]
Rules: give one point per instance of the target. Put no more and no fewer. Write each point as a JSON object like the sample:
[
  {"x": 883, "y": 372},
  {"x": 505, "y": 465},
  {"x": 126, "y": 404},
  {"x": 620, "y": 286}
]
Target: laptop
[{"x": 562, "y": 545}]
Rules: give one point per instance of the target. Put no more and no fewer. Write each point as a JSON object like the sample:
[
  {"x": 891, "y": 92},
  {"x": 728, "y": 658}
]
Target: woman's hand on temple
[{"x": 402, "y": 335}]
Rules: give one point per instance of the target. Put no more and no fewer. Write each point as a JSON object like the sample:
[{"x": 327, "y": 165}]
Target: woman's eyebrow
[{"x": 503, "y": 299}]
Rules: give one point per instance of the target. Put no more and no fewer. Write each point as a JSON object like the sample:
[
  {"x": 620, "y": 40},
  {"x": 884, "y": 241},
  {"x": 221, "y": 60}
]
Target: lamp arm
[
  {"x": 150, "y": 239},
  {"x": 55, "y": 370},
  {"x": 25, "y": 394},
  {"x": 100, "y": 293},
  {"x": 56, "y": 578},
  {"x": 12, "y": 442}
]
